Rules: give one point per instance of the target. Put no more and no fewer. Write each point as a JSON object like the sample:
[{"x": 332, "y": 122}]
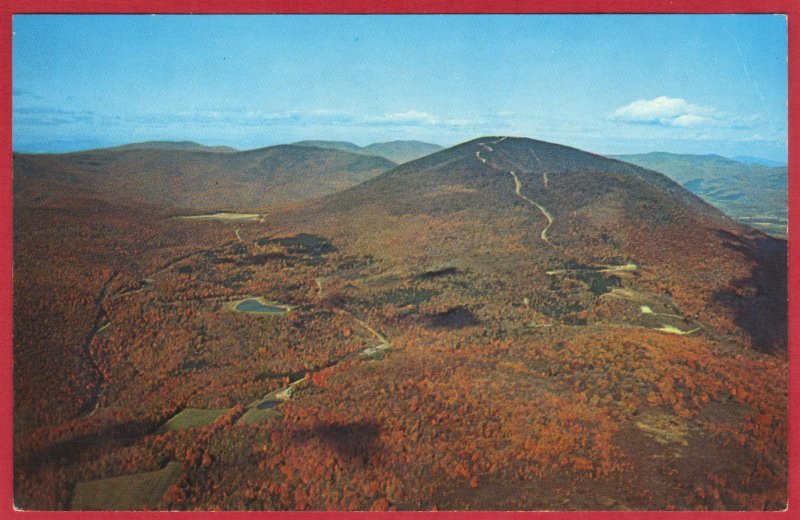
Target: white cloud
[
  {"x": 665, "y": 111},
  {"x": 458, "y": 122},
  {"x": 414, "y": 119},
  {"x": 689, "y": 120},
  {"x": 410, "y": 116}
]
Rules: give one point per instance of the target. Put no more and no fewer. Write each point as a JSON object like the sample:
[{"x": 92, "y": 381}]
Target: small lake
[
  {"x": 267, "y": 405},
  {"x": 256, "y": 306}
]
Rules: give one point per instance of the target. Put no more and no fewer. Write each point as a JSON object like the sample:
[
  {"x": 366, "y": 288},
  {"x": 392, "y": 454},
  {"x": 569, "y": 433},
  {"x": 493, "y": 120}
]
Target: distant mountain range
[
  {"x": 758, "y": 160},
  {"x": 190, "y": 146},
  {"x": 750, "y": 192},
  {"x": 396, "y": 151},
  {"x": 188, "y": 175}
]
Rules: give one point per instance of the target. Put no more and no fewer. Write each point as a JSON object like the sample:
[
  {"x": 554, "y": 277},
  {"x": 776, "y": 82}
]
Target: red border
[
  {"x": 401, "y": 6},
  {"x": 11, "y": 7}
]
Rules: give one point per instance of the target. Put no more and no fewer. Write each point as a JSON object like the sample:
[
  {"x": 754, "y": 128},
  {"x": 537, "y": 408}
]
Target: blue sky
[{"x": 608, "y": 84}]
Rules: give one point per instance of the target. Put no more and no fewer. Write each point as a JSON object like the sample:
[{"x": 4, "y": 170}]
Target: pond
[
  {"x": 258, "y": 306},
  {"x": 268, "y": 404}
]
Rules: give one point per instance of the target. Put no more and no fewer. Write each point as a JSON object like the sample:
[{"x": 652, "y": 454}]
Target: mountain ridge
[
  {"x": 191, "y": 179},
  {"x": 166, "y": 145}
]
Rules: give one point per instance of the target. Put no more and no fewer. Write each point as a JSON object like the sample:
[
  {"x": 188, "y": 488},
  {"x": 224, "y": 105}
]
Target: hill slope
[
  {"x": 508, "y": 204},
  {"x": 189, "y": 179},
  {"x": 477, "y": 176},
  {"x": 749, "y": 192}
]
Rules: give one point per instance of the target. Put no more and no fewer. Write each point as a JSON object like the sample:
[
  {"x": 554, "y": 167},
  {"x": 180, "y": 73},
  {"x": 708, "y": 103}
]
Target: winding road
[
  {"x": 380, "y": 337},
  {"x": 629, "y": 267},
  {"x": 99, "y": 324},
  {"x": 518, "y": 190},
  {"x": 547, "y": 215},
  {"x": 166, "y": 267},
  {"x": 284, "y": 394}
]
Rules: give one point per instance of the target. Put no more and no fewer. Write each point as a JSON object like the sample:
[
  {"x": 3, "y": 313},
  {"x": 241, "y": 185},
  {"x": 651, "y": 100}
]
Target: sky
[{"x": 608, "y": 84}]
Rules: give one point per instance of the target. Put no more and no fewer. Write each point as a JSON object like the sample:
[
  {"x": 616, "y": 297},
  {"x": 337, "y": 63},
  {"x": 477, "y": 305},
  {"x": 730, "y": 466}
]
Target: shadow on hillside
[
  {"x": 68, "y": 451},
  {"x": 760, "y": 302},
  {"x": 453, "y": 318},
  {"x": 352, "y": 442}
]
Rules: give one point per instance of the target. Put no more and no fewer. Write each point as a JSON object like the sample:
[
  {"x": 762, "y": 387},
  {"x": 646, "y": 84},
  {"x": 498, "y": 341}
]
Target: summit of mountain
[{"x": 574, "y": 180}]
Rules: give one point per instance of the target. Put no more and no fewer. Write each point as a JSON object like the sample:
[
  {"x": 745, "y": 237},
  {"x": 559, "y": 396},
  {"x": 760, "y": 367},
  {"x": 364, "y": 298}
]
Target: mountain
[
  {"x": 396, "y": 151},
  {"x": 449, "y": 180},
  {"x": 178, "y": 176},
  {"x": 173, "y": 145},
  {"x": 333, "y": 145},
  {"x": 506, "y": 204},
  {"x": 747, "y": 159},
  {"x": 752, "y": 193},
  {"x": 402, "y": 151}
]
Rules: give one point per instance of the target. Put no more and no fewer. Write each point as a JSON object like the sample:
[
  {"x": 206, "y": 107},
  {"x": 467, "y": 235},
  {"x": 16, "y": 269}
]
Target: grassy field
[
  {"x": 257, "y": 415},
  {"x": 191, "y": 418},
  {"x": 128, "y": 492},
  {"x": 223, "y": 217}
]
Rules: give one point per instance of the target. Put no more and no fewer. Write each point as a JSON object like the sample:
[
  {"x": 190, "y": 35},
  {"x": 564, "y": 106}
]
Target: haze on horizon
[{"x": 606, "y": 83}]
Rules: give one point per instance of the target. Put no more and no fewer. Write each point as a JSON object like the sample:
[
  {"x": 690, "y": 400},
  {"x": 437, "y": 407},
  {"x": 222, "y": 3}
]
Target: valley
[
  {"x": 750, "y": 192},
  {"x": 503, "y": 324}
]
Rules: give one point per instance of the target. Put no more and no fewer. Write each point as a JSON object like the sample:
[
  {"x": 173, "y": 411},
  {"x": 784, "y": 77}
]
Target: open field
[
  {"x": 127, "y": 492},
  {"x": 223, "y": 217},
  {"x": 191, "y": 418}
]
